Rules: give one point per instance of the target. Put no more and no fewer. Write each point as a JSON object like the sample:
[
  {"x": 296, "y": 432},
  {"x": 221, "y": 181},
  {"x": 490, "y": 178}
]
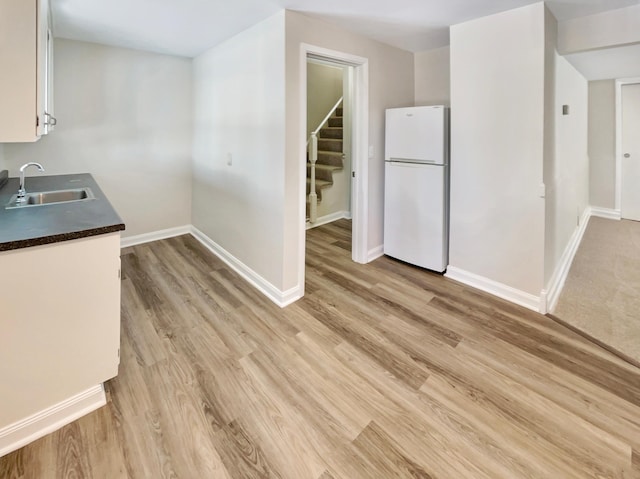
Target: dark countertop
[{"x": 39, "y": 225}]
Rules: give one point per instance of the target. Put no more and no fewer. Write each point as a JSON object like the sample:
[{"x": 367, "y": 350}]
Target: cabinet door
[
  {"x": 18, "y": 86},
  {"x": 60, "y": 319},
  {"x": 26, "y": 66},
  {"x": 49, "y": 115},
  {"x": 46, "y": 121}
]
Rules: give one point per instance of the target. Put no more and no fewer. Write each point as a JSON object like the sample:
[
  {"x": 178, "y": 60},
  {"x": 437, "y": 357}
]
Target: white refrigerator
[{"x": 416, "y": 196}]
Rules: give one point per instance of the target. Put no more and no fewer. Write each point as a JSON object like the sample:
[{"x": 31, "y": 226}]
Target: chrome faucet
[{"x": 21, "y": 191}]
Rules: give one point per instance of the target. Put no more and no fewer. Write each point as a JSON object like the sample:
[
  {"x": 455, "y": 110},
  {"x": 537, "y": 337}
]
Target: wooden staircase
[{"x": 330, "y": 155}]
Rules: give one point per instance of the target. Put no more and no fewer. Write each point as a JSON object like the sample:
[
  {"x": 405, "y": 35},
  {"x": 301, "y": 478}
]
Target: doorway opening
[
  {"x": 354, "y": 172},
  {"x": 328, "y": 142},
  {"x": 599, "y": 299}
]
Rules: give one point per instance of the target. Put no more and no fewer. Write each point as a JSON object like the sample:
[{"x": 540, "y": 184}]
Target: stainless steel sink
[{"x": 40, "y": 198}]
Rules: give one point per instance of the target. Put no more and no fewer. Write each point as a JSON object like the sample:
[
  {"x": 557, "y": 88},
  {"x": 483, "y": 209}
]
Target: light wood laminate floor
[{"x": 380, "y": 371}]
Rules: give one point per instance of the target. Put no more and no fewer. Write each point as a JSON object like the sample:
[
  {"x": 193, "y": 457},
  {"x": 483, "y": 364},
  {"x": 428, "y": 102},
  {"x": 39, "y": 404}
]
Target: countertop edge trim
[{"x": 58, "y": 238}]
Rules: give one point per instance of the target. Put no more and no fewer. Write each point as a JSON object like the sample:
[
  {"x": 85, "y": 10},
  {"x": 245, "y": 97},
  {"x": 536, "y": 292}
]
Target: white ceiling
[
  {"x": 618, "y": 62},
  {"x": 189, "y": 27}
]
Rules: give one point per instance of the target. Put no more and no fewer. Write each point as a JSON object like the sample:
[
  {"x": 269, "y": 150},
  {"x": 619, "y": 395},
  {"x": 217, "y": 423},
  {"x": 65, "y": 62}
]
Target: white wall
[
  {"x": 432, "y": 78},
  {"x": 567, "y": 179},
  {"x": 124, "y": 116},
  {"x": 549, "y": 143},
  {"x": 239, "y": 101},
  {"x": 602, "y": 143},
  {"x": 497, "y": 100},
  {"x": 324, "y": 89},
  {"x": 391, "y": 84}
]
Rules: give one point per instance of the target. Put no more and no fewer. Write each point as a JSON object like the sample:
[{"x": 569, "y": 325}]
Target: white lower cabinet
[{"x": 59, "y": 323}]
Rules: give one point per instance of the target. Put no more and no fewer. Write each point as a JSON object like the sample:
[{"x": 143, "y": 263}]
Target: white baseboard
[
  {"x": 608, "y": 213},
  {"x": 323, "y": 220},
  {"x": 549, "y": 296},
  {"x": 155, "y": 236},
  {"x": 375, "y": 253},
  {"x": 34, "y": 427},
  {"x": 281, "y": 298},
  {"x": 503, "y": 291}
]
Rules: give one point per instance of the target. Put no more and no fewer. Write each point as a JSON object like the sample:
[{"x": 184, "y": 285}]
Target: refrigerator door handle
[
  {"x": 404, "y": 164},
  {"x": 409, "y": 160}
]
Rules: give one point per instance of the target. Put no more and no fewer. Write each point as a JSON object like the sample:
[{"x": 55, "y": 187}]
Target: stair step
[
  {"x": 335, "y": 132},
  {"x": 335, "y": 121},
  {"x": 339, "y": 111},
  {"x": 320, "y": 184},
  {"x": 320, "y": 166},
  {"x": 330, "y": 144},
  {"x": 330, "y": 158},
  {"x": 323, "y": 172}
]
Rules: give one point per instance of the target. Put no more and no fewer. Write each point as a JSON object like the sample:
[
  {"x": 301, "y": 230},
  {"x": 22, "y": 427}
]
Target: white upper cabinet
[{"x": 26, "y": 63}]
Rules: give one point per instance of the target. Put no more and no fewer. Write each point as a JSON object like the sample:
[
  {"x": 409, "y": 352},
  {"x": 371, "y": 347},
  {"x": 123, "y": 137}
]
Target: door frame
[
  {"x": 359, "y": 153},
  {"x": 619, "y": 84}
]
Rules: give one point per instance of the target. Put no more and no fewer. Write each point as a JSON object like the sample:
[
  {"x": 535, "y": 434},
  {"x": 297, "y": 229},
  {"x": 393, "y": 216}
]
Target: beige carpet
[{"x": 602, "y": 293}]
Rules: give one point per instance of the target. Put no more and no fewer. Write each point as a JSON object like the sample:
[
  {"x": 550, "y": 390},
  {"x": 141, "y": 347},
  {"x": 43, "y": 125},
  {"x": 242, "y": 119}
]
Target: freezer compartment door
[
  {"x": 416, "y": 133},
  {"x": 415, "y": 219}
]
